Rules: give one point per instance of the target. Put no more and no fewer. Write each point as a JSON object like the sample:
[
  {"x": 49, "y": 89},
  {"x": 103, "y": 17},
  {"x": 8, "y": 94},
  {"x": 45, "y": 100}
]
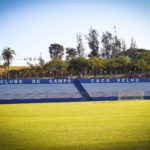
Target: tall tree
[
  {"x": 116, "y": 46},
  {"x": 107, "y": 42},
  {"x": 8, "y": 55},
  {"x": 41, "y": 61},
  {"x": 133, "y": 51},
  {"x": 80, "y": 48},
  {"x": 71, "y": 53},
  {"x": 93, "y": 42},
  {"x": 123, "y": 46},
  {"x": 133, "y": 44},
  {"x": 0, "y": 61},
  {"x": 56, "y": 51}
]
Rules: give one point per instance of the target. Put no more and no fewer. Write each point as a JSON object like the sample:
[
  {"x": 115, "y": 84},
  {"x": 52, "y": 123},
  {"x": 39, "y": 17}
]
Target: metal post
[
  {"x": 43, "y": 74},
  {"x": 16, "y": 75}
]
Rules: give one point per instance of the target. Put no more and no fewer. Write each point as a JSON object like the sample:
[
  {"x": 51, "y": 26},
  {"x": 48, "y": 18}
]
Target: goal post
[{"x": 131, "y": 95}]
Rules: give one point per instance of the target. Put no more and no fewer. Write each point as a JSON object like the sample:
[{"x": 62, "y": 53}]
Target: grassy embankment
[{"x": 2, "y": 70}]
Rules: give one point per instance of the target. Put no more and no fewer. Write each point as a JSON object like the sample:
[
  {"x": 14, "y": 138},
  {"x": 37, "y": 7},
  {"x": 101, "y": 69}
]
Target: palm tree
[{"x": 8, "y": 55}]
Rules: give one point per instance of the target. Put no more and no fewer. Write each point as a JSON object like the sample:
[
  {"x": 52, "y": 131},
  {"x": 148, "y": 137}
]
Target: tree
[
  {"x": 111, "y": 65},
  {"x": 56, "y": 51},
  {"x": 133, "y": 44},
  {"x": 56, "y": 66},
  {"x": 93, "y": 42},
  {"x": 107, "y": 40},
  {"x": 123, "y": 64},
  {"x": 41, "y": 61},
  {"x": 142, "y": 60},
  {"x": 80, "y": 48},
  {"x": 95, "y": 64},
  {"x": 123, "y": 46},
  {"x": 133, "y": 53},
  {"x": 116, "y": 46},
  {"x": 78, "y": 65},
  {"x": 71, "y": 53},
  {"x": 8, "y": 55},
  {"x": 141, "y": 64},
  {"x": 112, "y": 45},
  {"x": 145, "y": 55},
  {"x": 30, "y": 61},
  {"x": 0, "y": 61},
  {"x": 5, "y": 65},
  {"x": 120, "y": 64}
]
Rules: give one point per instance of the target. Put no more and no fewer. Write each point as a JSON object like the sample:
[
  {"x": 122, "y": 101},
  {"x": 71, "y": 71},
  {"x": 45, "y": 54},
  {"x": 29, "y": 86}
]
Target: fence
[{"x": 58, "y": 74}]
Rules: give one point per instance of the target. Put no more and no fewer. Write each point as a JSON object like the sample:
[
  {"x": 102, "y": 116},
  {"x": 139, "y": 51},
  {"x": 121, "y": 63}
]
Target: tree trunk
[
  {"x": 8, "y": 65},
  {"x": 8, "y": 69}
]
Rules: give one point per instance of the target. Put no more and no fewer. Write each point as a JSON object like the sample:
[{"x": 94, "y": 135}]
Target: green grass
[{"x": 123, "y": 125}]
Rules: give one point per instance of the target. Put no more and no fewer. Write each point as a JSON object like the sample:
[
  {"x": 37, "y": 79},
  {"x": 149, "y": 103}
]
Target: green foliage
[
  {"x": 133, "y": 44},
  {"x": 71, "y": 53},
  {"x": 56, "y": 51},
  {"x": 93, "y": 42},
  {"x": 5, "y": 65},
  {"x": 8, "y": 55},
  {"x": 41, "y": 61},
  {"x": 116, "y": 47},
  {"x": 80, "y": 48},
  {"x": 56, "y": 65},
  {"x": 115, "y": 57},
  {"x": 140, "y": 64},
  {"x": 142, "y": 60},
  {"x": 121, "y": 63},
  {"x": 77, "y": 65},
  {"x": 123, "y": 46},
  {"x": 95, "y": 64},
  {"x": 107, "y": 40},
  {"x": 112, "y": 45},
  {"x": 0, "y": 61},
  {"x": 145, "y": 55},
  {"x": 133, "y": 53}
]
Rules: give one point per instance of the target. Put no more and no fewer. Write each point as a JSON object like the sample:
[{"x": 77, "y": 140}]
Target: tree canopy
[
  {"x": 93, "y": 42},
  {"x": 108, "y": 55},
  {"x": 8, "y": 55},
  {"x": 71, "y": 53},
  {"x": 80, "y": 47},
  {"x": 56, "y": 51}
]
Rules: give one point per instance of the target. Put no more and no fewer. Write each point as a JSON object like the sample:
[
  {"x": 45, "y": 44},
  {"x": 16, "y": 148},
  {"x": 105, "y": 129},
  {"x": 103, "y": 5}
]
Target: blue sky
[{"x": 30, "y": 26}]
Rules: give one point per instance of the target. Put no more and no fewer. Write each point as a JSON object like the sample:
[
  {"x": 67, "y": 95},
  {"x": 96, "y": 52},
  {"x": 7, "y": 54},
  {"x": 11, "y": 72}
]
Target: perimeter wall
[{"x": 69, "y": 90}]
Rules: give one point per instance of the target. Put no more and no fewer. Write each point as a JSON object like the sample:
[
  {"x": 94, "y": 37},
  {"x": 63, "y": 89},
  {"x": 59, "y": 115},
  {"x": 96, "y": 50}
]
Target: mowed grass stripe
[{"x": 119, "y": 125}]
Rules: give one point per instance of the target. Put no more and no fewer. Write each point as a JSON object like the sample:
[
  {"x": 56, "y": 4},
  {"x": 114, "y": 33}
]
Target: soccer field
[{"x": 117, "y": 125}]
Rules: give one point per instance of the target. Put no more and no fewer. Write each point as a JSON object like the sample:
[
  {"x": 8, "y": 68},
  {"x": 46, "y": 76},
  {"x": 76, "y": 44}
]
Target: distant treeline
[{"x": 112, "y": 58}]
